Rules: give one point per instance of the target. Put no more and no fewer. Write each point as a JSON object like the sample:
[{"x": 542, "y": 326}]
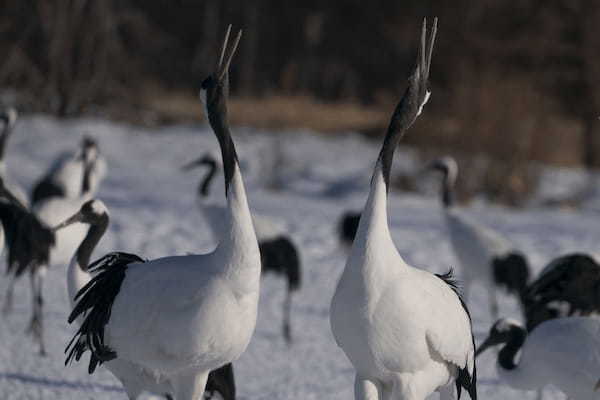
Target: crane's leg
[
  {"x": 287, "y": 310},
  {"x": 365, "y": 389},
  {"x": 8, "y": 300},
  {"x": 189, "y": 385},
  {"x": 540, "y": 394},
  {"x": 447, "y": 392},
  {"x": 36, "y": 326},
  {"x": 493, "y": 303}
]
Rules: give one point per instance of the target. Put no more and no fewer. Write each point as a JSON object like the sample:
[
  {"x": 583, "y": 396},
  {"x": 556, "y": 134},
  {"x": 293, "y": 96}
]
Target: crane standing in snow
[
  {"x": 406, "y": 331},
  {"x": 135, "y": 380},
  {"x": 278, "y": 253},
  {"x": 29, "y": 242},
  {"x": 564, "y": 352},
  {"x": 212, "y": 299},
  {"x": 485, "y": 255}
]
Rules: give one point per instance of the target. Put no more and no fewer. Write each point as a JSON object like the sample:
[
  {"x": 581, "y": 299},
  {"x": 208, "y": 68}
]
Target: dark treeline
[{"x": 514, "y": 74}]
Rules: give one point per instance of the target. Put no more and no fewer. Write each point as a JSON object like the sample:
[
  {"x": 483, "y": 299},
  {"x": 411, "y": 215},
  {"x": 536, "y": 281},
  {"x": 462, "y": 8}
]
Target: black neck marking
[
  {"x": 4, "y": 135},
  {"x": 401, "y": 120},
  {"x": 447, "y": 192},
  {"x": 89, "y": 243},
  {"x": 216, "y": 105},
  {"x": 204, "y": 187},
  {"x": 87, "y": 171},
  {"x": 506, "y": 357}
]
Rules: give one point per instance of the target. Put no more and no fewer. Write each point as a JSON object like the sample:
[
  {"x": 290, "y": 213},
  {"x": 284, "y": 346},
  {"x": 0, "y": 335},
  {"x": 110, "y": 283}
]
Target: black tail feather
[
  {"x": 95, "y": 301},
  {"x": 464, "y": 379}
]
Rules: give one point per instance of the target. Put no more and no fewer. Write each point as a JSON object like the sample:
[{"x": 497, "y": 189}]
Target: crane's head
[
  {"x": 418, "y": 88},
  {"x": 447, "y": 166},
  {"x": 214, "y": 90},
  {"x": 8, "y": 118},
  {"x": 503, "y": 331},
  {"x": 91, "y": 212},
  {"x": 207, "y": 160}
]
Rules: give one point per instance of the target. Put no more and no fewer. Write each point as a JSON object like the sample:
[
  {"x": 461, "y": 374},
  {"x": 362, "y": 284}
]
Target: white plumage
[
  {"x": 65, "y": 176},
  {"x": 181, "y": 317},
  {"x": 484, "y": 255},
  {"x": 405, "y": 330},
  {"x": 55, "y": 209},
  {"x": 563, "y": 352},
  {"x": 94, "y": 213},
  {"x": 214, "y": 211}
]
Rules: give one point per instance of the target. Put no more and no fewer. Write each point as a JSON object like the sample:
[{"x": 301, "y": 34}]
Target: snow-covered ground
[{"x": 153, "y": 213}]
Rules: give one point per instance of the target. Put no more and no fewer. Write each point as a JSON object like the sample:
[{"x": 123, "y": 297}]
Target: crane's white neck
[
  {"x": 373, "y": 234},
  {"x": 77, "y": 278},
  {"x": 238, "y": 246}
]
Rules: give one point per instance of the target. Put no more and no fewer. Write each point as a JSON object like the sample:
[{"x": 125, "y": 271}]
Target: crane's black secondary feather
[
  {"x": 279, "y": 255},
  {"x": 28, "y": 240},
  {"x": 464, "y": 379},
  {"x": 94, "y": 301},
  {"x": 221, "y": 381},
  {"x": 46, "y": 189}
]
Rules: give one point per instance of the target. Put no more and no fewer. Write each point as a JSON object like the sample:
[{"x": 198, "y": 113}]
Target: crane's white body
[
  {"x": 135, "y": 380},
  {"x": 67, "y": 173},
  {"x": 52, "y": 212},
  {"x": 563, "y": 352},
  {"x": 178, "y": 318},
  {"x": 475, "y": 246},
  {"x": 404, "y": 329}
]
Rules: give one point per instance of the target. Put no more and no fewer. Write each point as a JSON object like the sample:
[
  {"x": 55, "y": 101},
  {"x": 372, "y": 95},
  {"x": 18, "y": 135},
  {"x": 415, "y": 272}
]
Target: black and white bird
[
  {"x": 28, "y": 242},
  {"x": 563, "y": 352},
  {"x": 64, "y": 178},
  {"x": 568, "y": 286},
  {"x": 484, "y": 254},
  {"x": 53, "y": 210},
  {"x": 8, "y": 119},
  {"x": 278, "y": 252},
  {"x": 95, "y": 215},
  {"x": 406, "y": 331},
  {"x": 180, "y": 317}
]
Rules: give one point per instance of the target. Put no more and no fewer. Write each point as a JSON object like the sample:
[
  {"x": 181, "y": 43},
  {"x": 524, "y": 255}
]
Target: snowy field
[{"x": 153, "y": 214}]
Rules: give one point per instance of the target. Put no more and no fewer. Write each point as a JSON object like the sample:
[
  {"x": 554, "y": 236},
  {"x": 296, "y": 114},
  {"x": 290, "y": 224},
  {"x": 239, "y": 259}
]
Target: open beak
[
  {"x": 489, "y": 342},
  {"x": 75, "y": 218}
]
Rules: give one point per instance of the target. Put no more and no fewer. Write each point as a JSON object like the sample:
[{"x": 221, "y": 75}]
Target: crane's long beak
[
  {"x": 489, "y": 342},
  {"x": 75, "y": 218}
]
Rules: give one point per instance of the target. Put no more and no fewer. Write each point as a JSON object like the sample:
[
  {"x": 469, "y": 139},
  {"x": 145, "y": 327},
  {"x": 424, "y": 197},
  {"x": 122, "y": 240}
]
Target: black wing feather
[
  {"x": 28, "y": 240},
  {"x": 94, "y": 301}
]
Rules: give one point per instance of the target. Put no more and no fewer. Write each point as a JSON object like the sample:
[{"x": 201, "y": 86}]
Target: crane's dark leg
[
  {"x": 287, "y": 308},
  {"x": 8, "y": 300},
  {"x": 36, "y": 326}
]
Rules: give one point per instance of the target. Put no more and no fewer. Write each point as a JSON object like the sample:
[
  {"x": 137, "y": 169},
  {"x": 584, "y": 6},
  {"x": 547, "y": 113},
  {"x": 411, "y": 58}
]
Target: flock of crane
[{"x": 407, "y": 332}]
